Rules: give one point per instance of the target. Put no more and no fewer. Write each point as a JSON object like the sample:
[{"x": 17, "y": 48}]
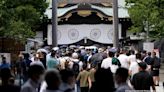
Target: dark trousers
[{"x": 84, "y": 89}]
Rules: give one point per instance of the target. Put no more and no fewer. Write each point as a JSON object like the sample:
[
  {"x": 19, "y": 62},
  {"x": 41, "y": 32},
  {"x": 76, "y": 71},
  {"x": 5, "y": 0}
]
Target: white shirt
[
  {"x": 107, "y": 63},
  {"x": 132, "y": 58},
  {"x": 124, "y": 61},
  {"x": 133, "y": 68},
  {"x": 43, "y": 86}
]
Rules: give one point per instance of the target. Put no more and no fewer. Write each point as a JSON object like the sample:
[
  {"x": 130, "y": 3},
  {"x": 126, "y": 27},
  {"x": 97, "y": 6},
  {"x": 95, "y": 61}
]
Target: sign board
[
  {"x": 148, "y": 46},
  {"x": 82, "y": 1}
]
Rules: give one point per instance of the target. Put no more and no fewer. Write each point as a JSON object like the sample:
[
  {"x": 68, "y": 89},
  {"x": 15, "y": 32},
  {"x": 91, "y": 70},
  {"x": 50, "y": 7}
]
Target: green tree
[
  {"x": 147, "y": 15},
  {"x": 20, "y": 18}
]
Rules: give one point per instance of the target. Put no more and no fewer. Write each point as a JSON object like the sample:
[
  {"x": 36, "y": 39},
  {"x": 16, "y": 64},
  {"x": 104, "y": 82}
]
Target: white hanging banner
[
  {"x": 68, "y": 34},
  {"x": 148, "y": 46}
]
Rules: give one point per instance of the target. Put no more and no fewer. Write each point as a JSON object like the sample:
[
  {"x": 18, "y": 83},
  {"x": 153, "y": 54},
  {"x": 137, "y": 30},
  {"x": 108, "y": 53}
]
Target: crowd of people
[{"x": 81, "y": 69}]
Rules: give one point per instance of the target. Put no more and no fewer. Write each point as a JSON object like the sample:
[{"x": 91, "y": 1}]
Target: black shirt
[
  {"x": 142, "y": 81},
  {"x": 148, "y": 60}
]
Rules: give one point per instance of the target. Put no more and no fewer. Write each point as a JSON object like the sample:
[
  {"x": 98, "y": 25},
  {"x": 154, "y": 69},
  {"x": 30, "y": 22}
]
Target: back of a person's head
[
  {"x": 149, "y": 53},
  {"x": 144, "y": 51},
  {"x": 52, "y": 78},
  {"x": 84, "y": 66},
  {"x": 53, "y": 53},
  {"x": 142, "y": 65},
  {"x": 132, "y": 52},
  {"x": 26, "y": 55},
  {"x": 138, "y": 56},
  {"x": 5, "y": 74},
  {"x": 104, "y": 80},
  {"x": 3, "y": 59},
  {"x": 35, "y": 69},
  {"x": 121, "y": 75},
  {"x": 66, "y": 74},
  {"x": 111, "y": 54}
]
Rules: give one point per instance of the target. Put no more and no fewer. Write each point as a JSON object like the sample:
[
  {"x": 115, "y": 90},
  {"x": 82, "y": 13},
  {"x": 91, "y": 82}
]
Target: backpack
[
  {"x": 76, "y": 67},
  {"x": 115, "y": 61},
  {"x": 156, "y": 62}
]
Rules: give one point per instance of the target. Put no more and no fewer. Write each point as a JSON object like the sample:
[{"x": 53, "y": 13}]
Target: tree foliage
[
  {"x": 147, "y": 15},
  {"x": 20, "y": 18}
]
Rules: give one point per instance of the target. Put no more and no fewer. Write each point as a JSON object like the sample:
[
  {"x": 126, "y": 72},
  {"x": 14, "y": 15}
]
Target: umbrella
[
  {"x": 97, "y": 58},
  {"x": 63, "y": 46},
  {"x": 42, "y": 50},
  {"x": 72, "y": 46},
  {"x": 113, "y": 49}
]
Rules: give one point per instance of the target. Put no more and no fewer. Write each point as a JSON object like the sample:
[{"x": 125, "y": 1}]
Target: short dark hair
[
  {"x": 142, "y": 65},
  {"x": 111, "y": 54},
  {"x": 122, "y": 74},
  {"x": 84, "y": 66},
  {"x": 53, "y": 53},
  {"x": 51, "y": 77},
  {"x": 144, "y": 51},
  {"x": 5, "y": 73},
  {"x": 35, "y": 69},
  {"x": 3, "y": 58},
  {"x": 65, "y": 74},
  {"x": 132, "y": 52},
  {"x": 138, "y": 56},
  {"x": 149, "y": 53}
]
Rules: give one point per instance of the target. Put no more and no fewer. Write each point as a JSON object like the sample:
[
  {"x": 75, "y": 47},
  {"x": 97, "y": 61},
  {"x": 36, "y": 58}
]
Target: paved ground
[{"x": 160, "y": 88}]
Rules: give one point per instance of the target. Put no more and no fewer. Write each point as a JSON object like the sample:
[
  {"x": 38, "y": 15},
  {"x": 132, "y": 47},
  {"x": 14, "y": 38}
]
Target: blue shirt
[
  {"x": 52, "y": 63},
  {"x": 4, "y": 65}
]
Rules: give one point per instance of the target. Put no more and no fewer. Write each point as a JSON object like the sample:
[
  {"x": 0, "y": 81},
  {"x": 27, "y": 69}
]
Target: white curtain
[{"x": 68, "y": 34}]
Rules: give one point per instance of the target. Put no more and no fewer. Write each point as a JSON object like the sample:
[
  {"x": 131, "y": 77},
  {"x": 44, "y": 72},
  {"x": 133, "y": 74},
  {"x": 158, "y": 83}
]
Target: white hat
[
  {"x": 55, "y": 48},
  {"x": 75, "y": 56}
]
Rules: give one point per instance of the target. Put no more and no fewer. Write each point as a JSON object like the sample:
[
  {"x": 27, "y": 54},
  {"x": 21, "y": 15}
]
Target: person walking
[
  {"x": 148, "y": 60},
  {"x": 21, "y": 69},
  {"x": 134, "y": 67},
  {"x": 85, "y": 81},
  {"x": 123, "y": 58},
  {"x": 104, "y": 81},
  {"x": 142, "y": 80},
  {"x": 68, "y": 81},
  {"x": 121, "y": 77},
  {"x": 111, "y": 62},
  {"x": 53, "y": 81},
  {"x": 4, "y": 63},
  {"x": 6, "y": 85},
  {"x": 155, "y": 67},
  {"x": 52, "y": 61},
  {"x": 35, "y": 73}
]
